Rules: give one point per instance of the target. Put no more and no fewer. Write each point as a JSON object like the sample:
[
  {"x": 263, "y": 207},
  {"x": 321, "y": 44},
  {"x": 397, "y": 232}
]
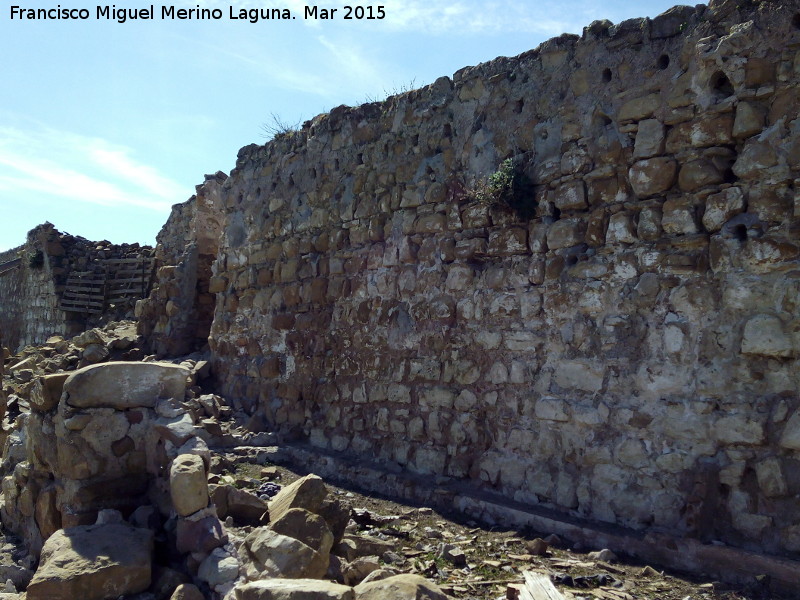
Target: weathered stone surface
[
  {"x": 721, "y": 207},
  {"x": 90, "y": 563},
  {"x": 652, "y": 176},
  {"x": 765, "y": 335},
  {"x": 571, "y": 196},
  {"x": 295, "y": 589},
  {"x": 620, "y": 229},
  {"x": 200, "y": 534},
  {"x": 46, "y": 391},
  {"x": 649, "y": 139},
  {"x": 699, "y": 173},
  {"x": 245, "y": 507},
  {"x": 679, "y": 217},
  {"x": 187, "y": 591},
  {"x": 219, "y": 568},
  {"x": 187, "y": 484},
  {"x": 639, "y": 108},
  {"x": 124, "y": 385},
  {"x": 750, "y": 119},
  {"x": 307, "y": 492},
  {"x": 754, "y": 158},
  {"x": 791, "y": 433},
  {"x": 307, "y": 527},
  {"x": 337, "y": 515},
  {"x": 400, "y": 587},
  {"x": 565, "y": 233},
  {"x": 266, "y": 553}
]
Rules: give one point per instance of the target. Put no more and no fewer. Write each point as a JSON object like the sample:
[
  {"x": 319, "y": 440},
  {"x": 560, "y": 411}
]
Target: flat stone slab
[{"x": 123, "y": 385}]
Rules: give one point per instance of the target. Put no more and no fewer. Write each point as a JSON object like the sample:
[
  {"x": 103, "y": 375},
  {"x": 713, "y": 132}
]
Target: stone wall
[
  {"x": 628, "y": 354},
  {"x": 31, "y": 292},
  {"x": 176, "y": 318},
  {"x": 30, "y": 306}
]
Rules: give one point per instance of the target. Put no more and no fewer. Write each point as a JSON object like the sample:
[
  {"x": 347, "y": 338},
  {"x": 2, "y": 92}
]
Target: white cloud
[{"x": 81, "y": 169}]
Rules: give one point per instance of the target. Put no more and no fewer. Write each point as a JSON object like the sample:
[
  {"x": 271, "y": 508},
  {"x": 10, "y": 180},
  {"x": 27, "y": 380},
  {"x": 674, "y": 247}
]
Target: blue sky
[{"x": 104, "y": 126}]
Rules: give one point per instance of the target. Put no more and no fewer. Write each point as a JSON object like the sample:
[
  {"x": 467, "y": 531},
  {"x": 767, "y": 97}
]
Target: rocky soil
[
  {"x": 472, "y": 561},
  {"x": 383, "y": 536}
]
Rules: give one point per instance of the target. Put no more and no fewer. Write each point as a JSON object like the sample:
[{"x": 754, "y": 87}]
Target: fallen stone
[
  {"x": 604, "y": 555},
  {"x": 91, "y": 563},
  {"x": 266, "y": 553},
  {"x": 353, "y": 547},
  {"x": 296, "y": 589},
  {"x": 177, "y": 430},
  {"x": 187, "y": 484},
  {"x": 187, "y": 591},
  {"x": 307, "y": 527},
  {"x": 379, "y": 574},
  {"x": 400, "y": 587},
  {"x": 307, "y": 492},
  {"x": 95, "y": 353},
  {"x": 355, "y": 572},
  {"x": 537, "y": 547},
  {"x": 453, "y": 554},
  {"x": 245, "y": 507},
  {"x": 336, "y": 515},
  {"x": 218, "y": 568},
  {"x": 124, "y": 385},
  {"x": 46, "y": 391},
  {"x": 201, "y": 535}
]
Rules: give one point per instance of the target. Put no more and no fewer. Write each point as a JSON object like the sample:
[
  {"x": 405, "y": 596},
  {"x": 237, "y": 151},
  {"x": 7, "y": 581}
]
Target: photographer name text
[{"x": 171, "y": 13}]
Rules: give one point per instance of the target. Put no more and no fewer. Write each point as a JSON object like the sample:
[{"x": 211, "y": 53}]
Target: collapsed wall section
[
  {"x": 629, "y": 354},
  {"x": 176, "y": 318}
]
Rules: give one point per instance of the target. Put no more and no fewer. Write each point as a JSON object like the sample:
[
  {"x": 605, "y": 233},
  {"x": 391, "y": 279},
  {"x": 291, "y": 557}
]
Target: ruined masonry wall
[
  {"x": 628, "y": 355},
  {"x": 30, "y": 311},
  {"x": 30, "y": 293},
  {"x": 176, "y": 318}
]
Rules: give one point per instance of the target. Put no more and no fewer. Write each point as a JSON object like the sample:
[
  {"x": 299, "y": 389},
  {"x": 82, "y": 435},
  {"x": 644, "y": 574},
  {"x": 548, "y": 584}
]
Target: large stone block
[
  {"x": 266, "y": 553},
  {"x": 679, "y": 216},
  {"x": 765, "y": 335},
  {"x": 46, "y": 391},
  {"x": 649, "y": 139},
  {"x": 93, "y": 562},
  {"x": 639, "y": 108},
  {"x": 652, "y": 176},
  {"x": 187, "y": 484},
  {"x": 721, "y": 207},
  {"x": 565, "y": 233},
  {"x": 699, "y": 173},
  {"x": 307, "y": 492},
  {"x": 309, "y": 528},
  {"x": 124, "y": 385}
]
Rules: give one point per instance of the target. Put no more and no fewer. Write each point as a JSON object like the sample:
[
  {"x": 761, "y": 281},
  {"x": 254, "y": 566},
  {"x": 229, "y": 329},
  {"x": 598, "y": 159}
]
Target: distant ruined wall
[
  {"x": 30, "y": 311},
  {"x": 32, "y": 289},
  {"x": 629, "y": 354},
  {"x": 176, "y": 318}
]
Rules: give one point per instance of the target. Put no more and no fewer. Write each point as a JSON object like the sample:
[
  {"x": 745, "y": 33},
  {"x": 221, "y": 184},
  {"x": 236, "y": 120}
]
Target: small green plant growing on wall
[
  {"x": 36, "y": 260},
  {"x": 508, "y": 186}
]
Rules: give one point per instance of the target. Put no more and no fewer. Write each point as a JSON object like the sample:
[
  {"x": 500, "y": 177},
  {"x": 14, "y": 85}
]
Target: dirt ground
[{"x": 480, "y": 562}]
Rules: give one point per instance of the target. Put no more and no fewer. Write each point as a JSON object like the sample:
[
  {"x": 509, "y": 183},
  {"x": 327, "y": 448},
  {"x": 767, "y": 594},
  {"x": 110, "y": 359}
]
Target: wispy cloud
[
  {"x": 80, "y": 168},
  {"x": 447, "y": 16}
]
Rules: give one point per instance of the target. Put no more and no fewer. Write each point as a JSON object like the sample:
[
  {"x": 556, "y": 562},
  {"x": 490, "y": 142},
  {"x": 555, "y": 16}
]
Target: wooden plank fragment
[{"x": 539, "y": 587}]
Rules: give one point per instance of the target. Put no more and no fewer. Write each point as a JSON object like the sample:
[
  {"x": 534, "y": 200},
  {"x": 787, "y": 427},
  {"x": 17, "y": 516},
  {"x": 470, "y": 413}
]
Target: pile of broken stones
[{"x": 107, "y": 484}]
